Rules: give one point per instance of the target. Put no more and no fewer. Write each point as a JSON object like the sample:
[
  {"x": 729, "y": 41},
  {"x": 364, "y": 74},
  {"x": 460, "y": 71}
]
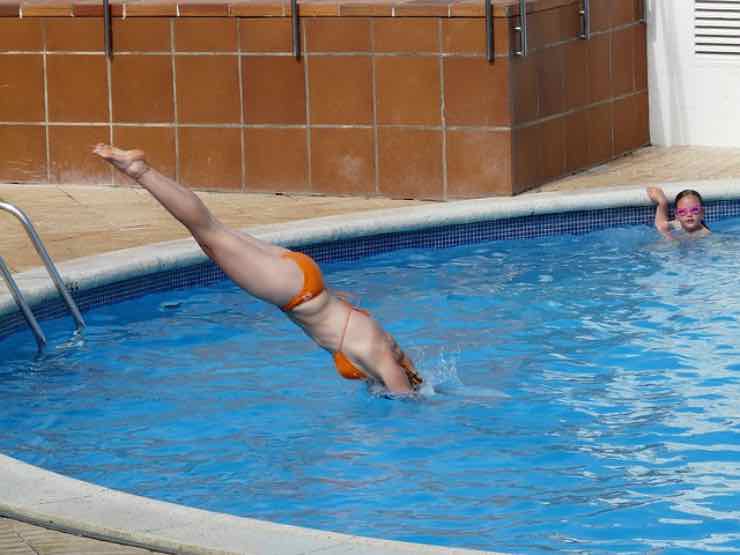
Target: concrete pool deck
[{"x": 77, "y": 221}]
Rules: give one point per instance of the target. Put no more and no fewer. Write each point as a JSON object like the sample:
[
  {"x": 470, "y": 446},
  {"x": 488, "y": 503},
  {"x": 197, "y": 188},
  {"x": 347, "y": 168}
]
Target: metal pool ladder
[{"x": 50, "y": 268}]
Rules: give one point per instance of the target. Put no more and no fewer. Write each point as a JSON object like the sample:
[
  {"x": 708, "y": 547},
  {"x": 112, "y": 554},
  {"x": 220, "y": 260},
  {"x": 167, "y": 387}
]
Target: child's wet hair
[{"x": 687, "y": 193}]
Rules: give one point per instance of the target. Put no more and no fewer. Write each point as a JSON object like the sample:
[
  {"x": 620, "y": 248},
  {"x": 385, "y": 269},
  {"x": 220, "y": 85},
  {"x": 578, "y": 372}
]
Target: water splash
[{"x": 442, "y": 377}]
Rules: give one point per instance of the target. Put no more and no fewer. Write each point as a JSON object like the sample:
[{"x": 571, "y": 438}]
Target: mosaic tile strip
[
  {"x": 525, "y": 227},
  {"x": 166, "y": 280},
  {"x": 436, "y": 237}
]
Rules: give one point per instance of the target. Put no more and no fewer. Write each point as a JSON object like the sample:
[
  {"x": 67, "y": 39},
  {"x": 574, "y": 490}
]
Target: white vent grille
[{"x": 717, "y": 27}]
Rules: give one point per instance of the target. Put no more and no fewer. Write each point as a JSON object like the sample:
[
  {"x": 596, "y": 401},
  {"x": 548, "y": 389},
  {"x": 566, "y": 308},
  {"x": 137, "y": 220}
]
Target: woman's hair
[{"x": 691, "y": 193}]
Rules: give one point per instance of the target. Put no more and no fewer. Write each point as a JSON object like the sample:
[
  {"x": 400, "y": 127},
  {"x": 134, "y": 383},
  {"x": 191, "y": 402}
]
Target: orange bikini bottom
[{"x": 313, "y": 283}]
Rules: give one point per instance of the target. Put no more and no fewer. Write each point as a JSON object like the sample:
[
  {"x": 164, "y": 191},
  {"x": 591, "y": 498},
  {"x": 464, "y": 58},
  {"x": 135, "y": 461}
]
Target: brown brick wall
[{"x": 403, "y": 105}]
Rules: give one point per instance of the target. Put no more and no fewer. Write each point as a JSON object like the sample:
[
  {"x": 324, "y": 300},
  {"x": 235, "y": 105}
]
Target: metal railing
[
  {"x": 50, "y": 268},
  {"x": 522, "y": 30},
  {"x": 585, "y": 13},
  {"x": 523, "y": 40},
  {"x": 22, "y": 304},
  {"x": 295, "y": 29},
  {"x": 107, "y": 29},
  {"x": 490, "y": 49}
]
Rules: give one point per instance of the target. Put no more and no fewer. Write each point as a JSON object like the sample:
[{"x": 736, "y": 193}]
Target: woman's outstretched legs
[{"x": 256, "y": 266}]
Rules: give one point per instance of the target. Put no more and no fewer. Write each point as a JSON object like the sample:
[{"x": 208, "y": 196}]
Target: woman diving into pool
[
  {"x": 290, "y": 280},
  {"x": 689, "y": 214}
]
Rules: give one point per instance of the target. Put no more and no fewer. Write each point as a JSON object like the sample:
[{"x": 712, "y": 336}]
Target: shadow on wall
[{"x": 668, "y": 112}]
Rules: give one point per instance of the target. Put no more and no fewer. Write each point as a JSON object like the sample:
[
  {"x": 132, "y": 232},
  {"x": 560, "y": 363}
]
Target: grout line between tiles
[
  {"x": 47, "y": 138},
  {"x": 374, "y": 93},
  {"x": 442, "y": 110},
  {"x": 307, "y": 100},
  {"x": 109, "y": 78},
  {"x": 178, "y": 162},
  {"x": 242, "y": 140}
]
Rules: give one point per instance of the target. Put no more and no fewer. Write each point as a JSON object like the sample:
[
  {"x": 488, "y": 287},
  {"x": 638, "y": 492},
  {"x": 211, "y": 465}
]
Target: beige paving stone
[
  {"x": 76, "y": 221},
  {"x": 18, "y": 538},
  {"x": 655, "y": 165}
]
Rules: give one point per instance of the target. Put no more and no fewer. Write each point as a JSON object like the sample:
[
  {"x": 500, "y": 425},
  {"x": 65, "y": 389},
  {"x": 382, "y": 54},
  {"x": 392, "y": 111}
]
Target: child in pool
[
  {"x": 689, "y": 213},
  {"x": 287, "y": 279}
]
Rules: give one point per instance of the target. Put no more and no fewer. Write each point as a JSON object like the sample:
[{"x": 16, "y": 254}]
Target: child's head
[{"x": 690, "y": 210}]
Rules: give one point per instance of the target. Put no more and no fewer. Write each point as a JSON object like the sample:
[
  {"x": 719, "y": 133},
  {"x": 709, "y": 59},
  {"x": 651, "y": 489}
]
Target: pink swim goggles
[{"x": 694, "y": 210}]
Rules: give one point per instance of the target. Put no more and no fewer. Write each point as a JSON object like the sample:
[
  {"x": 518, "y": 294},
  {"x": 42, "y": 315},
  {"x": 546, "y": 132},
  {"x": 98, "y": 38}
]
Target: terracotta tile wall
[
  {"x": 578, "y": 103},
  {"x": 404, "y": 106}
]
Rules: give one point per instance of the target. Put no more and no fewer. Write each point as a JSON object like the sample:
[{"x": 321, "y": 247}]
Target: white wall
[{"x": 694, "y": 100}]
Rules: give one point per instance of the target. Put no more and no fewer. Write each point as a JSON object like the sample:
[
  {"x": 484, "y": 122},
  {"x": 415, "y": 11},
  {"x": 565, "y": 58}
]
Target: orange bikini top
[
  {"x": 350, "y": 372},
  {"x": 344, "y": 366},
  {"x": 313, "y": 283},
  {"x": 346, "y": 369}
]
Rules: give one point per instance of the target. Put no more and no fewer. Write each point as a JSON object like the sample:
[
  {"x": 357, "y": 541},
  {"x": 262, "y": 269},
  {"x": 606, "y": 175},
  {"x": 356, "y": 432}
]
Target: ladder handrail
[
  {"x": 22, "y": 304},
  {"x": 50, "y": 267}
]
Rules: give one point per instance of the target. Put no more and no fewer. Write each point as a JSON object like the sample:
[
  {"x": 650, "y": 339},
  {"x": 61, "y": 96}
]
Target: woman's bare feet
[{"x": 130, "y": 162}]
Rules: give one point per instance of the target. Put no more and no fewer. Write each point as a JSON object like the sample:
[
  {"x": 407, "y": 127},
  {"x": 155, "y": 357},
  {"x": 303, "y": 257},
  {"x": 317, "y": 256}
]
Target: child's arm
[{"x": 662, "y": 224}]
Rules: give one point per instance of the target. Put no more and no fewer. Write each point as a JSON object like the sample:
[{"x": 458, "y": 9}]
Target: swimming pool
[{"x": 576, "y": 404}]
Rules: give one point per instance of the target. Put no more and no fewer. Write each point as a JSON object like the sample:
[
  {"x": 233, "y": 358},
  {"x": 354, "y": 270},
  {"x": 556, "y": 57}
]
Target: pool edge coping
[
  {"x": 101, "y": 269},
  {"x": 69, "y": 505},
  {"x": 36, "y": 496}
]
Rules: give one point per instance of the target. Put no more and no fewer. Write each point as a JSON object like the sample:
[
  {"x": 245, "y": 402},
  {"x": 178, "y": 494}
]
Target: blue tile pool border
[{"x": 575, "y": 222}]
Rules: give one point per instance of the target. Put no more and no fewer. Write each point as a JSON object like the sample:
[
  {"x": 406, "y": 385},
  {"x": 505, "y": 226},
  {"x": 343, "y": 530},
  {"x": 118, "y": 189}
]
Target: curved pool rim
[{"x": 37, "y": 496}]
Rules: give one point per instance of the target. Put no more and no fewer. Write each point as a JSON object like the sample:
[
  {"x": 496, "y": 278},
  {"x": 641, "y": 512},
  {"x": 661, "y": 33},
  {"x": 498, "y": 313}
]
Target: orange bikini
[
  {"x": 344, "y": 366},
  {"x": 313, "y": 285}
]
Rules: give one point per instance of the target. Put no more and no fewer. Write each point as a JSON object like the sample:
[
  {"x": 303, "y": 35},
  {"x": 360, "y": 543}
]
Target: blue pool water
[{"x": 584, "y": 398}]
